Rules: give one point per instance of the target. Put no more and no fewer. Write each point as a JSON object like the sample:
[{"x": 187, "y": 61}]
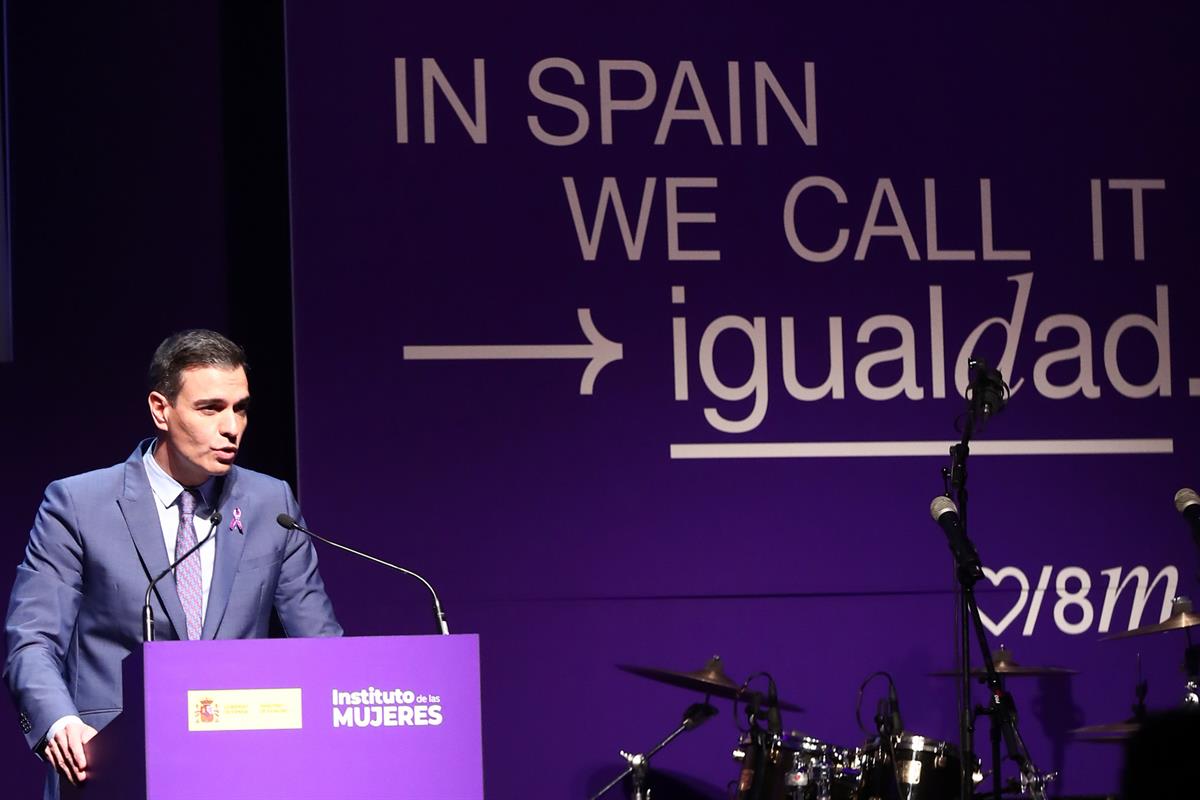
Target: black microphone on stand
[
  {"x": 987, "y": 391},
  {"x": 290, "y": 523},
  {"x": 754, "y": 761},
  {"x": 890, "y": 726},
  {"x": 754, "y": 702},
  {"x": 945, "y": 513},
  {"x": 697, "y": 714},
  {"x": 894, "y": 709},
  {"x": 774, "y": 717},
  {"x": 1187, "y": 502},
  {"x": 147, "y": 610}
]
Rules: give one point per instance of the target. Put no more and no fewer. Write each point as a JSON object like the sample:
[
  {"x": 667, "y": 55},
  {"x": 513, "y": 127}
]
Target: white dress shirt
[{"x": 166, "y": 495}]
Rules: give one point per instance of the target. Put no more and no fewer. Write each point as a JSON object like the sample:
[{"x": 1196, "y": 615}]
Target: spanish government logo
[
  {"x": 245, "y": 709},
  {"x": 206, "y": 711}
]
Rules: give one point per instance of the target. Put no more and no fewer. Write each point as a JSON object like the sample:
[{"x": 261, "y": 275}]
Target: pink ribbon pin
[{"x": 236, "y": 522}]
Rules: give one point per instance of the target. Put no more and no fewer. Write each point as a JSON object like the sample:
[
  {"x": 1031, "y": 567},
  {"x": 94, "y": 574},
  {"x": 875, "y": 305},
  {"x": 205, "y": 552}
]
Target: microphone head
[
  {"x": 215, "y": 519},
  {"x": 1185, "y": 498},
  {"x": 287, "y": 521},
  {"x": 941, "y": 505},
  {"x": 697, "y": 714}
]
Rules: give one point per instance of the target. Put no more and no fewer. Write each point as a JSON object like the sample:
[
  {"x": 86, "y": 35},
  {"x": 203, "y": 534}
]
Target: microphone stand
[
  {"x": 1003, "y": 714},
  {"x": 987, "y": 395},
  {"x": 956, "y": 477},
  {"x": 968, "y": 570},
  {"x": 696, "y": 714}
]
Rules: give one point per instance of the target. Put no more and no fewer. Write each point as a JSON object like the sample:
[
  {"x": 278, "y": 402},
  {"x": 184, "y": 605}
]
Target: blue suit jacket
[{"x": 75, "y": 610}]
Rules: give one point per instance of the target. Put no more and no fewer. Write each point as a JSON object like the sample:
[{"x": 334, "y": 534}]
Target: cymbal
[
  {"x": 1182, "y": 616},
  {"x": 1108, "y": 732},
  {"x": 1008, "y": 667},
  {"x": 711, "y": 680}
]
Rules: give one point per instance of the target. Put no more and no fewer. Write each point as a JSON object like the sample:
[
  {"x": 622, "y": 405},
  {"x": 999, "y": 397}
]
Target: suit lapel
[
  {"x": 137, "y": 506},
  {"x": 230, "y": 542}
]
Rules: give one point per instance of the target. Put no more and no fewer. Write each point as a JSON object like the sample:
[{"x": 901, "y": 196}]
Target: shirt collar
[{"x": 167, "y": 490}]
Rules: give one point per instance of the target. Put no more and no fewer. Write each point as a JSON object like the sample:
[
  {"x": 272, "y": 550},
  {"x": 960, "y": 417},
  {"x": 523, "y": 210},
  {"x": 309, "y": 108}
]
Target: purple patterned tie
[{"x": 187, "y": 574}]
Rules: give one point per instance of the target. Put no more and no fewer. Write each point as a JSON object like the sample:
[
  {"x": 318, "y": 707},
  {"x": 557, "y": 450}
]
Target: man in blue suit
[{"x": 100, "y": 537}]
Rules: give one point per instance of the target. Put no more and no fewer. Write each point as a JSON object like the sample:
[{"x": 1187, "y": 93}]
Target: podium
[{"x": 356, "y": 717}]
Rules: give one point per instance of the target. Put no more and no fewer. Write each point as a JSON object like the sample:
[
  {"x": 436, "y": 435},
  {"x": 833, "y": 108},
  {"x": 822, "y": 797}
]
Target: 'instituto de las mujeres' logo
[
  {"x": 375, "y": 708},
  {"x": 206, "y": 711}
]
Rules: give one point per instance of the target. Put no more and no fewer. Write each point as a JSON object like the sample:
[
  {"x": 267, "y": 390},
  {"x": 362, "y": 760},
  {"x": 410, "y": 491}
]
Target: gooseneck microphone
[
  {"x": 1187, "y": 502},
  {"x": 774, "y": 717},
  {"x": 894, "y": 709},
  {"x": 289, "y": 523},
  {"x": 945, "y": 513},
  {"x": 147, "y": 610}
]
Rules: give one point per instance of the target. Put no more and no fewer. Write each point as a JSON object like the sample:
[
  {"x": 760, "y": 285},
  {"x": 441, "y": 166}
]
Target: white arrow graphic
[{"x": 601, "y": 351}]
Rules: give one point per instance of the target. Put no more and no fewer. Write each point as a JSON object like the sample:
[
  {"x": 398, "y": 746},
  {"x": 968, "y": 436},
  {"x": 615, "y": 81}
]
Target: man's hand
[{"x": 65, "y": 751}]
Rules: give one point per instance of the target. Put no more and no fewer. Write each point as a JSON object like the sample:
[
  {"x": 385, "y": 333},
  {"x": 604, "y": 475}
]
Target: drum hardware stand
[
  {"x": 1183, "y": 617},
  {"x": 1191, "y": 664},
  {"x": 994, "y": 729},
  {"x": 986, "y": 395},
  {"x": 693, "y": 717},
  {"x": 759, "y": 743},
  {"x": 1140, "y": 690},
  {"x": 887, "y": 737},
  {"x": 1191, "y": 659},
  {"x": 824, "y": 770},
  {"x": 999, "y": 706}
]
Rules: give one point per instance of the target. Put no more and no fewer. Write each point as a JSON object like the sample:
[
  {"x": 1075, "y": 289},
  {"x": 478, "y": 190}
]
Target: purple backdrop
[{"x": 1032, "y": 168}]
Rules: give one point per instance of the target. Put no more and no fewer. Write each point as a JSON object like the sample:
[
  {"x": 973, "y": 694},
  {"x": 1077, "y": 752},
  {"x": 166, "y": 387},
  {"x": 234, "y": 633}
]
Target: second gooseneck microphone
[
  {"x": 289, "y": 523},
  {"x": 147, "y": 609}
]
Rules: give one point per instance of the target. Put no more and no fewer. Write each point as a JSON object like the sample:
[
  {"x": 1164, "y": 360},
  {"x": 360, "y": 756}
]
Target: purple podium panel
[{"x": 377, "y": 717}]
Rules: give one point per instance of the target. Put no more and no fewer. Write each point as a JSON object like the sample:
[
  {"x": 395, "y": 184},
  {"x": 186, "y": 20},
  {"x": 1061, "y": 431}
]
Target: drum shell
[
  {"x": 929, "y": 769},
  {"x": 790, "y": 766}
]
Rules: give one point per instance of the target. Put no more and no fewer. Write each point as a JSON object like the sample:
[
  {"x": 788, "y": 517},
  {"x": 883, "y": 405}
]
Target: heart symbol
[{"x": 996, "y": 577}]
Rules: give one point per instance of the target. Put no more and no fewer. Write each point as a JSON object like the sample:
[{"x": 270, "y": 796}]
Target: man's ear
[{"x": 160, "y": 409}]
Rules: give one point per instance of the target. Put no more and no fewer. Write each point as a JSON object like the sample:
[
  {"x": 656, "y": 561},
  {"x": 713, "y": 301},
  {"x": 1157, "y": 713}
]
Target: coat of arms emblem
[{"x": 206, "y": 710}]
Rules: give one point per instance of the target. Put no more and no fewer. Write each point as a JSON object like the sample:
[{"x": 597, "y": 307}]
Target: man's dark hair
[{"x": 187, "y": 349}]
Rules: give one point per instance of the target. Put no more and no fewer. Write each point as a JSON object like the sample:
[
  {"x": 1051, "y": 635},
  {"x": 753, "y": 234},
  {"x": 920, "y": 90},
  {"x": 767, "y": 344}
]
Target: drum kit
[
  {"x": 778, "y": 765},
  {"x": 896, "y": 763}
]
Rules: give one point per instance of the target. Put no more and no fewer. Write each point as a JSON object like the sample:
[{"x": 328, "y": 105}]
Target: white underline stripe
[{"x": 1010, "y": 447}]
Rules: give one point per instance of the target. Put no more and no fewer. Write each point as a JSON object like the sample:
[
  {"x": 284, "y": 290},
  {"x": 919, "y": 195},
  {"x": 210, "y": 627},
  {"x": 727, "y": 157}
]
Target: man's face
[{"x": 202, "y": 429}]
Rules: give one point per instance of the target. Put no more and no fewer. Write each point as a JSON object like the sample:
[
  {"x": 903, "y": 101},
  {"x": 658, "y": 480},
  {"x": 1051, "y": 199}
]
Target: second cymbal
[
  {"x": 1007, "y": 666},
  {"x": 1182, "y": 616},
  {"x": 1108, "y": 732},
  {"x": 711, "y": 680}
]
